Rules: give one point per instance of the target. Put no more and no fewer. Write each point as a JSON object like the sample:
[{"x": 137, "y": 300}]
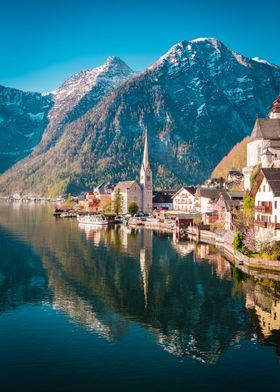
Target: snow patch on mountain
[{"x": 36, "y": 117}]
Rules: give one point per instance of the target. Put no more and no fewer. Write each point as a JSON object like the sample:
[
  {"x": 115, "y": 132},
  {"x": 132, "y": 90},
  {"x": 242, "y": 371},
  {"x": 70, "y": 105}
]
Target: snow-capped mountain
[
  {"x": 196, "y": 101},
  {"x": 23, "y": 118},
  {"x": 80, "y": 93}
]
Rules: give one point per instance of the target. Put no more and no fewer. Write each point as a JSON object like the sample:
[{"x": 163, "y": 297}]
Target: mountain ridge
[{"x": 197, "y": 101}]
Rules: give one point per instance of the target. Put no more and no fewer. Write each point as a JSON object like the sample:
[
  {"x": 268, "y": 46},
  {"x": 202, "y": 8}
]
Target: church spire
[
  {"x": 146, "y": 179},
  {"x": 146, "y": 159}
]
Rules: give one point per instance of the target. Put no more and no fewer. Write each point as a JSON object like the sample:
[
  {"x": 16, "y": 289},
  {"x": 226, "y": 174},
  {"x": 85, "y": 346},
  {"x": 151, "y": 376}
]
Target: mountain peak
[{"x": 114, "y": 62}]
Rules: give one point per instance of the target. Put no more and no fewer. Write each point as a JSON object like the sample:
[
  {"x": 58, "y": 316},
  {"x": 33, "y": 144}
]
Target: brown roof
[
  {"x": 190, "y": 189},
  {"x": 272, "y": 176},
  {"x": 266, "y": 128},
  {"x": 210, "y": 193}
]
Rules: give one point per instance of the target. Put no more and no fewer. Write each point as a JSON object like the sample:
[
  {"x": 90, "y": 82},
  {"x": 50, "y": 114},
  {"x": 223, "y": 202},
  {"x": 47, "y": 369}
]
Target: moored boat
[{"x": 98, "y": 220}]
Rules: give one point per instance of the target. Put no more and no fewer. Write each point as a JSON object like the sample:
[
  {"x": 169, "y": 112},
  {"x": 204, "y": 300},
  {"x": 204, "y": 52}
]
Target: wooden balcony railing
[
  {"x": 265, "y": 224},
  {"x": 264, "y": 209}
]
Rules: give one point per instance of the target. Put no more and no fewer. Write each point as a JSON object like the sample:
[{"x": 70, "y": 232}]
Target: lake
[{"x": 132, "y": 310}]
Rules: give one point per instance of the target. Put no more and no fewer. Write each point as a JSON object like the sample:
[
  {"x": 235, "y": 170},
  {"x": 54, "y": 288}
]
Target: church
[{"x": 139, "y": 192}]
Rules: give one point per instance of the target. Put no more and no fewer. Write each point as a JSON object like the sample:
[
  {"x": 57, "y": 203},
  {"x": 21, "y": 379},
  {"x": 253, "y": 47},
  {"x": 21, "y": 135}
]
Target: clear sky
[{"x": 43, "y": 42}]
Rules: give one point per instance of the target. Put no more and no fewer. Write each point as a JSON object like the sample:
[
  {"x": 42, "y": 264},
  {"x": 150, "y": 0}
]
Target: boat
[
  {"x": 69, "y": 214},
  {"x": 119, "y": 219},
  {"x": 98, "y": 220}
]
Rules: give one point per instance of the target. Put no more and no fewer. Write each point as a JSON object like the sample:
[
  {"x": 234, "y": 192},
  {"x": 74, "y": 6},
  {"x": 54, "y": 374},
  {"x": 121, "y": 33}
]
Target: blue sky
[{"x": 43, "y": 42}]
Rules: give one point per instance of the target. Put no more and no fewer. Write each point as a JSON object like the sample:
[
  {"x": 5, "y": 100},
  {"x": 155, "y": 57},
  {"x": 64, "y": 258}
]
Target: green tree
[
  {"x": 248, "y": 204},
  {"x": 238, "y": 241},
  {"x": 117, "y": 202},
  {"x": 133, "y": 208}
]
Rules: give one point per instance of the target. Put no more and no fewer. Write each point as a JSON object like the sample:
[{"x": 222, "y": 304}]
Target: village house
[
  {"x": 234, "y": 177},
  {"x": 266, "y": 192},
  {"x": 227, "y": 204},
  {"x": 184, "y": 199},
  {"x": 103, "y": 192},
  {"x": 206, "y": 199},
  {"x": 264, "y": 148},
  {"x": 162, "y": 200},
  {"x": 205, "y": 203}
]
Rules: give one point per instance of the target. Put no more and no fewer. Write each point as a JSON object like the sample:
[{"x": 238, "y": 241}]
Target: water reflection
[{"x": 107, "y": 280}]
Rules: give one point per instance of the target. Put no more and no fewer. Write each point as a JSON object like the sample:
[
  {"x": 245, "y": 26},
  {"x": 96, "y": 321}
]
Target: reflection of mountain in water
[
  {"x": 106, "y": 279},
  {"x": 22, "y": 278}
]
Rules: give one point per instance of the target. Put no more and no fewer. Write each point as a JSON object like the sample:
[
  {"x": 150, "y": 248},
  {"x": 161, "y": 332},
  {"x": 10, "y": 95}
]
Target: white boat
[{"x": 94, "y": 220}]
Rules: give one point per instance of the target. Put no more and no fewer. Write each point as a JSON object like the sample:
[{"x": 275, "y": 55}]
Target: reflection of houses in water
[
  {"x": 183, "y": 248},
  {"x": 122, "y": 238},
  {"x": 209, "y": 253},
  {"x": 93, "y": 233},
  {"x": 264, "y": 305},
  {"x": 146, "y": 254}
]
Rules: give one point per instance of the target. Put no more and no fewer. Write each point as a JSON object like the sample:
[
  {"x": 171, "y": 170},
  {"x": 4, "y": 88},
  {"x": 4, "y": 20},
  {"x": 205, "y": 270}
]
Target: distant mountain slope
[
  {"x": 197, "y": 101},
  {"x": 23, "y": 118},
  {"x": 82, "y": 92},
  {"x": 236, "y": 158},
  {"x": 26, "y": 117}
]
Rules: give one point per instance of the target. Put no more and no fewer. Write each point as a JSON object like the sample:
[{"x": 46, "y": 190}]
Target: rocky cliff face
[
  {"x": 196, "y": 102},
  {"x": 23, "y": 118}
]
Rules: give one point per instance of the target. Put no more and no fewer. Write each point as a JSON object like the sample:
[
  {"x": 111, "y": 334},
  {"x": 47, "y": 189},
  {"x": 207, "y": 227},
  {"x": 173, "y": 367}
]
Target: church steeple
[
  {"x": 146, "y": 159},
  {"x": 275, "y": 111},
  {"x": 146, "y": 178}
]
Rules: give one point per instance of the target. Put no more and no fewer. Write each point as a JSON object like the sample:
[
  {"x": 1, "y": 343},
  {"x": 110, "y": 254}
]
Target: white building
[
  {"x": 264, "y": 149},
  {"x": 266, "y": 191},
  {"x": 184, "y": 199},
  {"x": 206, "y": 199}
]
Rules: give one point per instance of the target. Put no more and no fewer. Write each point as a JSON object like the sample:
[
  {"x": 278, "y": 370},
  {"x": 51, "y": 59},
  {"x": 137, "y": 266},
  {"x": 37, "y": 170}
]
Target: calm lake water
[{"x": 117, "y": 309}]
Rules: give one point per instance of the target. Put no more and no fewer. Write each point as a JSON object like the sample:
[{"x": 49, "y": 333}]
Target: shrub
[
  {"x": 275, "y": 250},
  {"x": 133, "y": 208},
  {"x": 238, "y": 241}
]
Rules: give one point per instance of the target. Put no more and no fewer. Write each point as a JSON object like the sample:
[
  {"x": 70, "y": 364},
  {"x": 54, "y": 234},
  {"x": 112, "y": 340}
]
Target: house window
[
  {"x": 275, "y": 204},
  {"x": 264, "y": 188}
]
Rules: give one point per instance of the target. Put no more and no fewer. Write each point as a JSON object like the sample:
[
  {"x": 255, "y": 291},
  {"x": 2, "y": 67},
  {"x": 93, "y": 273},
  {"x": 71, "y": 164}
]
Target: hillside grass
[{"x": 236, "y": 158}]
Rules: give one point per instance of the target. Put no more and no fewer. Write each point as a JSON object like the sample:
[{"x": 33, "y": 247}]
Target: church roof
[
  {"x": 266, "y": 128},
  {"x": 124, "y": 185}
]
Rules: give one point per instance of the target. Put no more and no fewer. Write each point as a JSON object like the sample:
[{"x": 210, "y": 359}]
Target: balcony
[
  {"x": 264, "y": 209},
  {"x": 267, "y": 225}
]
